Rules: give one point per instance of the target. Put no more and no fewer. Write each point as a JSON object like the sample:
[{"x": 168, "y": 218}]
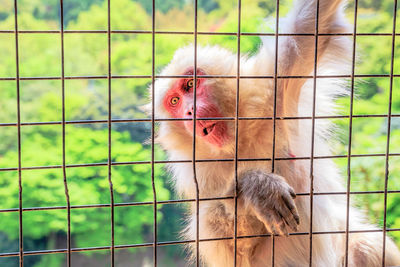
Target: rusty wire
[
  {"x": 235, "y": 230},
  {"x": 353, "y": 65},
  {"x": 389, "y": 119}
]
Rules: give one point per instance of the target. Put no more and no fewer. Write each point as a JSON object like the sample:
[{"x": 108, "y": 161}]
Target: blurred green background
[{"x": 87, "y": 99}]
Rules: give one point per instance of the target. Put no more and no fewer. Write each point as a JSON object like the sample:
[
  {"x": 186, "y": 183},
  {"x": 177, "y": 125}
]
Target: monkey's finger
[
  {"x": 279, "y": 223},
  {"x": 291, "y": 219},
  {"x": 288, "y": 217},
  {"x": 292, "y": 193},
  {"x": 272, "y": 228},
  {"x": 267, "y": 221},
  {"x": 282, "y": 224},
  {"x": 291, "y": 222},
  {"x": 288, "y": 201},
  {"x": 272, "y": 223},
  {"x": 283, "y": 229},
  {"x": 280, "y": 228},
  {"x": 292, "y": 207},
  {"x": 268, "y": 227}
]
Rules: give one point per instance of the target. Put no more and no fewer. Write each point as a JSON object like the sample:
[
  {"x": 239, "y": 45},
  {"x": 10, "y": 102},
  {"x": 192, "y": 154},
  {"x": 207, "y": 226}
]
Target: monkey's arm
[
  {"x": 296, "y": 54},
  {"x": 271, "y": 199}
]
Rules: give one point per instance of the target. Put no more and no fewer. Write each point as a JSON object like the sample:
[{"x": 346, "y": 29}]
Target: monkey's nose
[{"x": 190, "y": 112}]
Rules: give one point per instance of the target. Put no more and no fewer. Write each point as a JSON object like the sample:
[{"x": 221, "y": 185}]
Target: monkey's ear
[{"x": 146, "y": 108}]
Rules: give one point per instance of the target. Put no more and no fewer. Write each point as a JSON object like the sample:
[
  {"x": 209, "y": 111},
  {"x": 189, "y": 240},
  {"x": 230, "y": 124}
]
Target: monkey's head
[{"x": 215, "y": 98}]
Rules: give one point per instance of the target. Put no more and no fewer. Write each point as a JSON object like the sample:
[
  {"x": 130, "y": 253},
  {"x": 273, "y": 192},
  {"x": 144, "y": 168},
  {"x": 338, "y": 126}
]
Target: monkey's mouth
[
  {"x": 208, "y": 130},
  {"x": 213, "y": 132}
]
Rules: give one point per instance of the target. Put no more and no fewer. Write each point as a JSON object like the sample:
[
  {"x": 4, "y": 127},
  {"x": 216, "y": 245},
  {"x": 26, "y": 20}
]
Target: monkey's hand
[{"x": 272, "y": 200}]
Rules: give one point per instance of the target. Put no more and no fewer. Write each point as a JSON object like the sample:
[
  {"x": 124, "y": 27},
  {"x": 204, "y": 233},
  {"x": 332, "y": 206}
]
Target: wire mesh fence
[{"x": 155, "y": 203}]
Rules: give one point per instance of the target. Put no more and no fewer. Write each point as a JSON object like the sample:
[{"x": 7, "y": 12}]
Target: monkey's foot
[{"x": 272, "y": 200}]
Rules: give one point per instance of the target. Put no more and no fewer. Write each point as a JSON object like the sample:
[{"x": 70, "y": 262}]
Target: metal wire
[
  {"x": 66, "y": 190},
  {"x": 388, "y": 133},
  {"x": 197, "y": 200},
  {"x": 146, "y": 203},
  {"x": 197, "y": 160},
  {"x": 109, "y": 126},
  {"x": 199, "y": 119},
  {"x": 194, "y": 137},
  {"x": 314, "y": 96},
  {"x": 199, "y": 76},
  {"x": 346, "y": 262},
  {"x": 153, "y": 49},
  {"x": 275, "y": 108},
  {"x": 237, "y": 130},
  {"x": 167, "y": 243},
  {"x": 192, "y": 33},
  {"x": 21, "y": 243}
]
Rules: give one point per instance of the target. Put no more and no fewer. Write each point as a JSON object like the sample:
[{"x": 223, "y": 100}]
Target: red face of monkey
[{"x": 178, "y": 101}]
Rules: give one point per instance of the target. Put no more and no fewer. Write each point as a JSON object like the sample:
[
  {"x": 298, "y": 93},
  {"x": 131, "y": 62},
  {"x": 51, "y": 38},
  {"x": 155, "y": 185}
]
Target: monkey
[{"x": 269, "y": 202}]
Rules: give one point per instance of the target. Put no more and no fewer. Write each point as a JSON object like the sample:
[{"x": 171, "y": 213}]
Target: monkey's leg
[
  {"x": 365, "y": 249},
  {"x": 272, "y": 200}
]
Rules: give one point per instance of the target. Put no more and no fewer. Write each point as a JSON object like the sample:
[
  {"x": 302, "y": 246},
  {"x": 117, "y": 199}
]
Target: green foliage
[
  {"x": 162, "y": 5},
  {"x": 88, "y": 185}
]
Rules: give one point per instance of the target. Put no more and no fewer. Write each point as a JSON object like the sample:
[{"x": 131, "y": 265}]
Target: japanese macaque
[{"x": 267, "y": 201}]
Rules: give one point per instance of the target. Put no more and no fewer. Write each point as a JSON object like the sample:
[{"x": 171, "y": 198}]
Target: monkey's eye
[
  {"x": 190, "y": 83},
  {"x": 174, "y": 100}
]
